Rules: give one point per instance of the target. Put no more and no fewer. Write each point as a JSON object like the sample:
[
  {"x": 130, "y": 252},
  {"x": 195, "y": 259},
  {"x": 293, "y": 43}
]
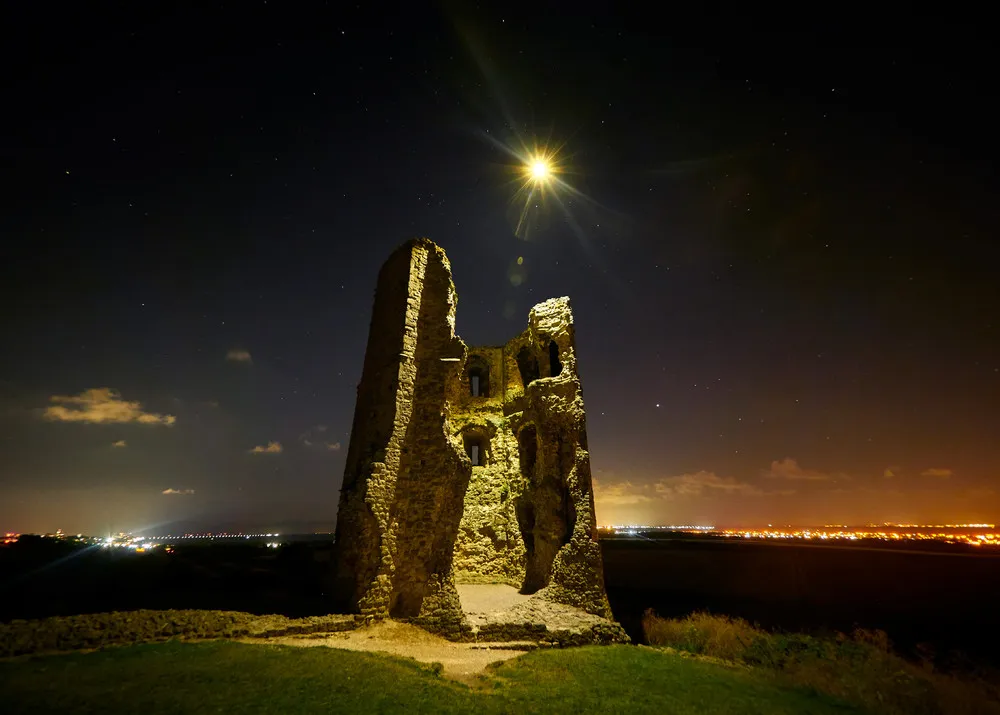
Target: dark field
[
  {"x": 944, "y": 600},
  {"x": 52, "y": 578}
]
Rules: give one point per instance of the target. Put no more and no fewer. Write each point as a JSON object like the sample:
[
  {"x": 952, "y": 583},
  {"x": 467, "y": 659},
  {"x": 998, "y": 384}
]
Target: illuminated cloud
[
  {"x": 239, "y": 355},
  {"x": 935, "y": 472},
  {"x": 269, "y": 448},
  {"x": 101, "y": 405},
  {"x": 890, "y": 472},
  {"x": 702, "y": 483},
  {"x": 119, "y": 443},
  {"x": 693, "y": 485},
  {"x": 789, "y": 468},
  {"x": 181, "y": 492},
  {"x": 312, "y": 437},
  {"x": 619, "y": 493}
]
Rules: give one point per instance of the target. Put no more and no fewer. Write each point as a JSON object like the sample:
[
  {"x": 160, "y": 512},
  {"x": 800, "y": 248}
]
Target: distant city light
[
  {"x": 644, "y": 527},
  {"x": 141, "y": 544},
  {"x": 964, "y": 534},
  {"x": 942, "y": 533}
]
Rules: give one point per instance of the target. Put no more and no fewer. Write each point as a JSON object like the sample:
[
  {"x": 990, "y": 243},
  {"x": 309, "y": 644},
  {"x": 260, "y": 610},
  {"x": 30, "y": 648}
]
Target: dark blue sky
[{"x": 782, "y": 255}]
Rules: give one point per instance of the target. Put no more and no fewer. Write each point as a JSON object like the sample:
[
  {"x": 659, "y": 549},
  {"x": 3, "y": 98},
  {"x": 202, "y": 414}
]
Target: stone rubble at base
[{"x": 468, "y": 465}]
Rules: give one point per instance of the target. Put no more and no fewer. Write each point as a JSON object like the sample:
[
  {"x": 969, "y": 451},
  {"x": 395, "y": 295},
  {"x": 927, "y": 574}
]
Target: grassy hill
[{"x": 223, "y": 676}]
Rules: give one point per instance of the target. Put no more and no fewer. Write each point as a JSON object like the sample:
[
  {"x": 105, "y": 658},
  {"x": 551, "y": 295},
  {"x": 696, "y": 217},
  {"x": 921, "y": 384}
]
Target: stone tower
[{"x": 466, "y": 465}]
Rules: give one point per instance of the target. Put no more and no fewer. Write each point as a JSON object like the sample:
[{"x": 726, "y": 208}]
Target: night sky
[{"x": 781, "y": 248}]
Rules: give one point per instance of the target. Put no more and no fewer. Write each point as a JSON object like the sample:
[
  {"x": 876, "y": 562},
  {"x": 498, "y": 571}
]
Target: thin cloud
[
  {"x": 181, "y": 492},
  {"x": 619, "y": 493},
  {"x": 936, "y": 472},
  {"x": 119, "y": 443},
  {"x": 692, "y": 485},
  {"x": 701, "y": 483},
  {"x": 979, "y": 493},
  {"x": 101, "y": 405},
  {"x": 312, "y": 437},
  {"x": 890, "y": 472},
  {"x": 239, "y": 355},
  {"x": 269, "y": 448},
  {"x": 789, "y": 468}
]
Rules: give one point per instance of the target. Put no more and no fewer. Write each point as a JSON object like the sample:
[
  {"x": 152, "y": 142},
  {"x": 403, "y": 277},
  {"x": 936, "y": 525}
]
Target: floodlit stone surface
[{"x": 466, "y": 465}]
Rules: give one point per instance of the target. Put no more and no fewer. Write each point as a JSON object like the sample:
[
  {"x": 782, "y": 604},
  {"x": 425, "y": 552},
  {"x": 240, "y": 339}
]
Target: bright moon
[{"x": 539, "y": 170}]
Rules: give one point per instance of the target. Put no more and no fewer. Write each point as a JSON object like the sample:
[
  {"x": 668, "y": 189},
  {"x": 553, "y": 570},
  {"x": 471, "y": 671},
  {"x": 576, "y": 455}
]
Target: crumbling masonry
[{"x": 466, "y": 465}]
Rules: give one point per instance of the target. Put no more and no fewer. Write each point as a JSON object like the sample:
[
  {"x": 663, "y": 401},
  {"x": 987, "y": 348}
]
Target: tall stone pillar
[{"x": 405, "y": 477}]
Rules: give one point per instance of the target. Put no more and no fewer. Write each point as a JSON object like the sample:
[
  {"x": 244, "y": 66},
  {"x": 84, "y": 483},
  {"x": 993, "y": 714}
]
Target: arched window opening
[
  {"x": 527, "y": 365},
  {"x": 479, "y": 377},
  {"x": 555, "y": 367},
  {"x": 476, "y": 446},
  {"x": 475, "y": 382}
]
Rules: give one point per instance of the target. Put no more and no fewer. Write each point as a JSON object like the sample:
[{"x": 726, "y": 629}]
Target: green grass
[
  {"x": 626, "y": 679},
  {"x": 860, "y": 668},
  {"x": 230, "y": 677}
]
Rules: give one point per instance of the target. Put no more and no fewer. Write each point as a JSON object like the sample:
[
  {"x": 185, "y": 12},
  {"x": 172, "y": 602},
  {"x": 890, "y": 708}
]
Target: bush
[
  {"x": 860, "y": 667},
  {"x": 701, "y": 633}
]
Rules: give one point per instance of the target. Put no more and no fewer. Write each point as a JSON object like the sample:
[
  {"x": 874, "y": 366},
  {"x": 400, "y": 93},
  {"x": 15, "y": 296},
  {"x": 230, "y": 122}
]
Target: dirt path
[{"x": 461, "y": 661}]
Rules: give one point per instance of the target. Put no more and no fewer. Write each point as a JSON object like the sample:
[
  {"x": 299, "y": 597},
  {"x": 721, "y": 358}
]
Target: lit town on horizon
[{"x": 971, "y": 534}]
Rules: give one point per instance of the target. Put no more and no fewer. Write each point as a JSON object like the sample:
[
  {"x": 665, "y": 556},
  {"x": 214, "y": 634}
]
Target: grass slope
[
  {"x": 860, "y": 668},
  {"x": 627, "y": 679},
  {"x": 223, "y": 676}
]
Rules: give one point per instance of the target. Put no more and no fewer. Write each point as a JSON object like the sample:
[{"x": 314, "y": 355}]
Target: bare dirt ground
[
  {"x": 488, "y": 597},
  {"x": 462, "y": 661},
  {"x": 482, "y": 603}
]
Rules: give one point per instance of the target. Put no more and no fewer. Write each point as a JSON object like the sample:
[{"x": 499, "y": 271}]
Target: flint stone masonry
[{"x": 465, "y": 465}]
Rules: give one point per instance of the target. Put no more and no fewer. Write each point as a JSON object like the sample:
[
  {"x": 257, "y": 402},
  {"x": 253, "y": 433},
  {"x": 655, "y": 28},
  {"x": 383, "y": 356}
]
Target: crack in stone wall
[{"x": 415, "y": 514}]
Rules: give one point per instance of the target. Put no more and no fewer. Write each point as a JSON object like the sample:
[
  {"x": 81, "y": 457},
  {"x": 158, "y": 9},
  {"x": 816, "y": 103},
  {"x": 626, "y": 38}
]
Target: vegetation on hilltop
[
  {"x": 860, "y": 668},
  {"x": 99, "y": 630}
]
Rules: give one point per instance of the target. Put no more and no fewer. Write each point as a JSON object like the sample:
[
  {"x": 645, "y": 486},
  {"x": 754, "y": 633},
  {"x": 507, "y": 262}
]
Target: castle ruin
[{"x": 466, "y": 465}]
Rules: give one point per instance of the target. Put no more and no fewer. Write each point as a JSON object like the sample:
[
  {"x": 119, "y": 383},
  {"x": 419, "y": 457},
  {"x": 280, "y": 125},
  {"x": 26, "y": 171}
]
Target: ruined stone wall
[
  {"x": 406, "y": 477},
  {"x": 489, "y": 546},
  {"x": 567, "y": 561},
  {"x": 358, "y": 530},
  {"x": 416, "y": 515},
  {"x": 529, "y": 514}
]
